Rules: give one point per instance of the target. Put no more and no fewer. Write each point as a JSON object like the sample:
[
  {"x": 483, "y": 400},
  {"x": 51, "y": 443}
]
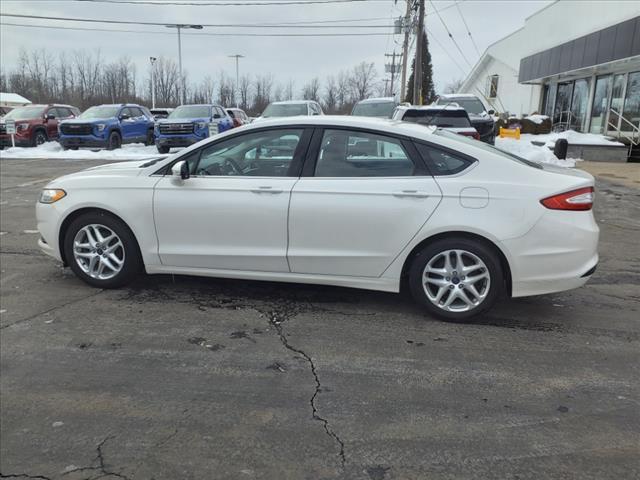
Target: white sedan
[{"x": 355, "y": 202}]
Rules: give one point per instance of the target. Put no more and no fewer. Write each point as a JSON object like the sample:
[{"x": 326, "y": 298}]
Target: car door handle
[
  {"x": 411, "y": 193},
  {"x": 266, "y": 189}
]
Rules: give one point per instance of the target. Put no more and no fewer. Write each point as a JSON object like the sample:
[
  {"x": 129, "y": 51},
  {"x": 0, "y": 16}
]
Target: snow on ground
[
  {"x": 573, "y": 137},
  {"x": 132, "y": 151},
  {"x": 537, "y": 119},
  {"x": 525, "y": 149}
]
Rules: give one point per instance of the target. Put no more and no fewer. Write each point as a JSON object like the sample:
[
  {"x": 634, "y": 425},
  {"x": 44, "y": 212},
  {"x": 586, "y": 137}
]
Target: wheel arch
[
  {"x": 68, "y": 220},
  {"x": 504, "y": 262}
]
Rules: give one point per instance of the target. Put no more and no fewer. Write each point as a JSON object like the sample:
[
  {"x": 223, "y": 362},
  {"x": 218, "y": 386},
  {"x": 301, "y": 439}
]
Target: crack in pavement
[
  {"x": 24, "y": 475},
  {"x": 101, "y": 469},
  {"x": 276, "y": 319},
  {"x": 52, "y": 309}
]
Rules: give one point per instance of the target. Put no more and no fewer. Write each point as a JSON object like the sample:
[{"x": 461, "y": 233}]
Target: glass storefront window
[
  {"x": 631, "y": 110},
  {"x": 563, "y": 102},
  {"x": 579, "y": 102},
  {"x": 600, "y": 107},
  {"x": 616, "y": 100},
  {"x": 550, "y": 101}
]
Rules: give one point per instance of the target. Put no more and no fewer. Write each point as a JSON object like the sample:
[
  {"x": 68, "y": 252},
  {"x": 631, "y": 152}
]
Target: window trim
[
  {"x": 309, "y": 167},
  {"x": 295, "y": 167}
]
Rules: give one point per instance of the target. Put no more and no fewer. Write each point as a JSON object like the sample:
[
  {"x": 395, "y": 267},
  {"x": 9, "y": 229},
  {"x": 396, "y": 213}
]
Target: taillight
[{"x": 581, "y": 199}]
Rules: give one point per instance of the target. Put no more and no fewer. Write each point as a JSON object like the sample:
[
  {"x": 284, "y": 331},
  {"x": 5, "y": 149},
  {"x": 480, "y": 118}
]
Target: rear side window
[
  {"x": 360, "y": 154},
  {"x": 442, "y": 162}
]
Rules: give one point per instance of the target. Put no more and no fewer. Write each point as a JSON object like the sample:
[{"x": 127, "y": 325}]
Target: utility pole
[
  {"x": 179, "y": 27},
  {"x": 153, "y": 81},
  {"x": 405, "y": 51},
  {"x": 237, "y": 57},
  {"x": 417, "y": 70},
  {"x": 393, "y": 70}
]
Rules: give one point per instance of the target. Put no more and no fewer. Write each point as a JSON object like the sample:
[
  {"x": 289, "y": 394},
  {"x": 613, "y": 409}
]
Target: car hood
[
  {"x": 119, "y": 169},
  {"x": 165, "y": 121},
  {"x": 480, "y": 117},
  {"x": 84, "y": 121}
]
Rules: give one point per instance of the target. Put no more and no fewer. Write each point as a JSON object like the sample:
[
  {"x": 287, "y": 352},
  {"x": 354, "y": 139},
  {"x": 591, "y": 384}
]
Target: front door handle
[
  {"x": 411, "y": 193},
  {"x": 266, "y": 189}
]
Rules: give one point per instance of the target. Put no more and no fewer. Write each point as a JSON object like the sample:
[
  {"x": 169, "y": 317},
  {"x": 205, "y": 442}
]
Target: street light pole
[
  {"x": 179, "y": 27},
  {"x": 237, "y": 57},
  {"x": 153, "y": 81}
]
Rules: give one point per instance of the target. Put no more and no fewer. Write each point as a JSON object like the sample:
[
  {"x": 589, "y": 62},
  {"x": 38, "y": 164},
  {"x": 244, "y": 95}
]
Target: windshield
[
  {"x": 285, "y": 109},
  {"x": 25, "y": 113},
  {"x": 487, "y": 147},
  {"x": 374, "y": 109},
  {"x": 471, "y": 105},
  {"x": 191, "y": 111},
  {"x": 439, "y": 118},
  {"x": 99, "y": 112}
]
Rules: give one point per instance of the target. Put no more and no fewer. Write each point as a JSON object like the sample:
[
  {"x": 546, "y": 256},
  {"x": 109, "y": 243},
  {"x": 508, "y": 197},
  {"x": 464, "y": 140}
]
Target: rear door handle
[
  {"x": 411, "y": 193},
  {"x": 266, "y": 189}
]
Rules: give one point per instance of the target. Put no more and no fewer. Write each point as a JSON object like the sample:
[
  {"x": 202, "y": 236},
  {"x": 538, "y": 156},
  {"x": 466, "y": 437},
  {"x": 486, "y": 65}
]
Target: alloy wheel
[
  {"x": 456, "y": 280},
  {"x": 40, "y": 138},
  {"x": 98, "y": 251}
]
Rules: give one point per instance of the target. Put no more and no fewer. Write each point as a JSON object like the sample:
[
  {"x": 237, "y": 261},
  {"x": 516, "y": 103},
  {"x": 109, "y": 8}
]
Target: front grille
[
  {"x": 176, "y": 128},
  {"x": 76, "y": 129}
]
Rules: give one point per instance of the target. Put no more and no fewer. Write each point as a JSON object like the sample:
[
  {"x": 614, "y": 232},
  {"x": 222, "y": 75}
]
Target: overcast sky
[{"x": 296, "y": 58}]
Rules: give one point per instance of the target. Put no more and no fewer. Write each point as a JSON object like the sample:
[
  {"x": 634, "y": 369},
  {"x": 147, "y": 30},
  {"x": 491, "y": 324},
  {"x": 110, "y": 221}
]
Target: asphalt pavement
[{"x": 192, "y": 378}]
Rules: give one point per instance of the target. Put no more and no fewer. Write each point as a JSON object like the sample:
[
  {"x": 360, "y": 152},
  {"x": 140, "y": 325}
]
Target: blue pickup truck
[
  {"x": 107, "y": 126},
  {"x": 189, "y": 124}
]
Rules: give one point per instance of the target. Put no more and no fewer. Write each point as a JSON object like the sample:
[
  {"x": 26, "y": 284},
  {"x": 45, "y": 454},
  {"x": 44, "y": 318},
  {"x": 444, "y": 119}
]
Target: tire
[
  {"x": 114, "y": 142},
  {"x": 39, "y": 137},
  {"x": 150, "y": 138},
  {"x": 470, "y": 298},
  {"x": 163, "y": 149},
  {"x": 94, "y": 260}
]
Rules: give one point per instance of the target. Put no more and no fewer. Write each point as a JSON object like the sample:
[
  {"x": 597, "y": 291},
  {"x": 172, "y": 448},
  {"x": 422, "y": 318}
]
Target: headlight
[
  {"x": 22, "y": 126},
  {"x": 201, "y": 125},
  {"x": 52, "y": 195},
  {"x": 100, "y": 127}
]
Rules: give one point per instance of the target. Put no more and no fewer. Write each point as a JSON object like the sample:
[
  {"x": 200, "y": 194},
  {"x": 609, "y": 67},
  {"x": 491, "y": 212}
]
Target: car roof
[
  {"x": 291, "y": 102},
  {"x": 383, "y": 125},
  {"x": 378, "y": 100},
  {"x": 431, "y": 107}
]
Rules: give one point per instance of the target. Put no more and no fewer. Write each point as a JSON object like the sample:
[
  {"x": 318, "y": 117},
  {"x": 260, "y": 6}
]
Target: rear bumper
[{"x": 559, "y": 253}]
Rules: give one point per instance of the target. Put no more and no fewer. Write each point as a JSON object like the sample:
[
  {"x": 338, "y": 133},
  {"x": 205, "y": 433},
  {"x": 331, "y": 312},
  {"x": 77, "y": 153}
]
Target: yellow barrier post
[{"x": 510, "y": 133}]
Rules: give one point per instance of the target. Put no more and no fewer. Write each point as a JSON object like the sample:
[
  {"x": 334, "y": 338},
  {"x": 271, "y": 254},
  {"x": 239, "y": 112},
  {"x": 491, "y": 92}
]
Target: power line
[
  {"x": 433, "y": 37},
  {"x": 162, "y": 24},
  {"x": 468, "y": 31},
  {"x": 224, "y": 4},
  {"x": 450, "y": 35},
  {"x": 371, "y": 34}
]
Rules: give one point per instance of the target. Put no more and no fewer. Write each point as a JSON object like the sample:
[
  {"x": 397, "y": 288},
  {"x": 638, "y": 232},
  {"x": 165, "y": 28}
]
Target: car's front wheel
[
  {"x": 150, "y": 138},
  {"x": 163, "y": 149},
  {"x": 456, "y": 278},
  {"x": 101, "y": 250},
  {"x": 39, "y": 138},
  {"x": 114, "y": 142}
]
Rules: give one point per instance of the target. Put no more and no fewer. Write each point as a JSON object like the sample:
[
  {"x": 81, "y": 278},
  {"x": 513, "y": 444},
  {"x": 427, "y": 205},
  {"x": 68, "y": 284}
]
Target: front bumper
[
  {"x": 5, "y": 141},
  {"x": 90, "y": 141},
  {"x": 48, "y": 218},
  {"x": 177, "y": 140}
]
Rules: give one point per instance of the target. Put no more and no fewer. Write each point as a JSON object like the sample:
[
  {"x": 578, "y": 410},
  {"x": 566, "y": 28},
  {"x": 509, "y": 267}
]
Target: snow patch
[
  {"x": 525, "y": 149},
  {"x": 132, "y": 151},
  {"x": 537, "y": 119},
  {"x": 573, "y": 137}
]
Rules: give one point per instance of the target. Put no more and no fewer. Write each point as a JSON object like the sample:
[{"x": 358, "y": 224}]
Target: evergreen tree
[{"x": 428, "y": 90}]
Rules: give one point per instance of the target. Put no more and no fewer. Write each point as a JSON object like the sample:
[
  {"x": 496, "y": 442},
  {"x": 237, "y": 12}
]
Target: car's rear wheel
[
  {"x": 163, "y": 149},
  {"x": 102, "y": 251},
  {"x": 114, "y": 142},
  {"x": 456, "y": 278},
  {"x": 39, "y": 138}
]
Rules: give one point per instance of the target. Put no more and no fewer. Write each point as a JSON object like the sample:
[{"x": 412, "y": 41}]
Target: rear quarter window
[{"x": 443, "y": 162}]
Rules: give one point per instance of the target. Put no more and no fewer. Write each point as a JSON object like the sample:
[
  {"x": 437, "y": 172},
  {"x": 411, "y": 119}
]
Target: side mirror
[
  {"x": 50, "y": 116},
  {"x": 216, "y": 115},
  {"x": 180, "y": 169},
  {"x": 491, "y": 112},
  {"x": 125, "y": 116}
]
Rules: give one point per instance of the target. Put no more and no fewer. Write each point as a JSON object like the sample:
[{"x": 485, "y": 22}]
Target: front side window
[
  {"x": 261, "y": 154},
  {"x": 359, "y": 154}
]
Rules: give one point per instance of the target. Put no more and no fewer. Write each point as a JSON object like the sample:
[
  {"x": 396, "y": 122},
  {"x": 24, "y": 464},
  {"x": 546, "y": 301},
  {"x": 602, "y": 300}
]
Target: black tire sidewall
[
  {"x": 132, "y": 264},
  {"x": 150, "y": 138},
  {"x": 39, "y": 133},
  {"x": 111, "y": 144},
  {"x": 163, "y": 149},
  {"x": 485, "y": 253}
]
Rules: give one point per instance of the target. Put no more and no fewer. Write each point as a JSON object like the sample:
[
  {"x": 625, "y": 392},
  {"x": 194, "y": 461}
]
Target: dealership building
[{"x": 576, "y": 61}]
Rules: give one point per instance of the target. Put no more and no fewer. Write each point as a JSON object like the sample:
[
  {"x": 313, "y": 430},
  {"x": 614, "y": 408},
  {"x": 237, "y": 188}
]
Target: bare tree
[
  {"x": 166, "y": 79},
  {"x": 288, "y": 91},
  {"x": 330, "y": 99},
  {"x": 363, "y": 77},
  {"x": 454, "y": 86},
  {"x": 244, "y": 88},
  {"x": 311, "y": 90},
  {"x": 263, "y": 86}
]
